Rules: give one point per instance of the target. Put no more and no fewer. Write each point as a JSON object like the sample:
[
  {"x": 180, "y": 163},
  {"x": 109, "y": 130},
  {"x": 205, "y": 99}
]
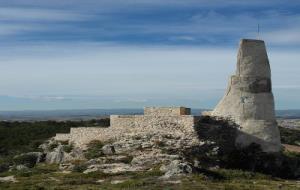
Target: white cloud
[
  {"x": 182, "y": 38},
  {"x": 114, "y": 74},
  {"x": 13, "y": 29},
  {"x": 290, "y": 36},
  {"x": 14, "y": 21},
  {"x": 136, "y": 4},
  {"x": 111, "y": 69},
  {"x": 38, "y": 14}
]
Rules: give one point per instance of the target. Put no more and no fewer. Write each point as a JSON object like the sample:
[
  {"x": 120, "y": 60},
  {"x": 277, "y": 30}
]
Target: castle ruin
[
  {"x": 155, "y": 120},
  {"x": 248, "y": 102}
]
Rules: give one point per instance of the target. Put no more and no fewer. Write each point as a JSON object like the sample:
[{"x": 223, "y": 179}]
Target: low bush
[
  {"x": 128, "y": 159},
  {"x": 289, "y": 136},
  {"x": 94, "y": 149},
  {"x": 53, "y": 146},
  {"x": 20, "y": 137},
  {"x": 68, "y": 148},
  {"x": 252, "y": 159},
  {"x": 28, "y": 160},
  {"x": 64, "y": 142},
  {"x": 79, "y": 166},
  {"x": 224, "y": 153},
  {"x": 4, "y": 167}
]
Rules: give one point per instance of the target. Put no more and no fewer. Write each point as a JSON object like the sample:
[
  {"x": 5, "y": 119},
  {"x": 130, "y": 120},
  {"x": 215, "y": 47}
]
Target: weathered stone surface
[
  {"x": 167, "y": 111},
  {"x": 151, "y": 159},
  {"x": 177, "y": 121},
  {"x": 62, "y": 137},
  {"x": 8, "y": 179},
  {"x": 176, "y": 168},
  {"x": 111, "y": 168},
  {"x": 117, "y": 182},
  {"x": 39, "y": 156},
  {"x": 21, "y": 167},
  {"x": 66, "y": 166},
  {"x": 57, "y": 156},
  {"x": 108, "y": 149},
  {"x": 249, "y": 100}
]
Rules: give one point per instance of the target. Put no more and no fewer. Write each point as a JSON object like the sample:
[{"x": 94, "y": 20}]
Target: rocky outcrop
[
  {"x": 56, "y": 156},
  {"x": 176, "y": 168},
  {"x": 249, "y": 100}
]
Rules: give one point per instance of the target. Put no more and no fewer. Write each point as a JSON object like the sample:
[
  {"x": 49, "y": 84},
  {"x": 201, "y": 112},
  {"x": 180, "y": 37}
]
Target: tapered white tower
[{"x": 249, "y": 100}]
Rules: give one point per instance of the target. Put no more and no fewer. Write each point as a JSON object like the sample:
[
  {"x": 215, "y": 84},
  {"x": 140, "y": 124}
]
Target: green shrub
[
  {"x": 24, "y": 173},
  {"x": 53, "y": 146},
  {"x": 224, "y": 153},
  {"x": 94, "y": 149},
  {"x": 4, "y": 167},
  {"x": 64, "y": 142},
  {"x": 68, "y": 148},
  {"x": 252, "y": 159},
  {"x": 79, "y": 166},
  {"x": 127, "y": 160},
  {"x": 28, "y": 160},
  {"x": 20, "y": 137},
  {"x": 289, "y": 136}
]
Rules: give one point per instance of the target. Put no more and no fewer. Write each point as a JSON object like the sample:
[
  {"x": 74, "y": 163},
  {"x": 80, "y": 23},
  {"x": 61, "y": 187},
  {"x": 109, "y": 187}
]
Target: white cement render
[{"x": 249, "y": 100}]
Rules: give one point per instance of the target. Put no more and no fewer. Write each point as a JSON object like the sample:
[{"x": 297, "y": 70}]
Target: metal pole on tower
[{"x": 258, "y": 31}]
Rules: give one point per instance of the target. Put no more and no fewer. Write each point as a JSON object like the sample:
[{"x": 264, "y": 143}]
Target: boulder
[
  {"x": 56, "y": 156},
  {"x": 21, "y": 167},
  {"x": 8, "y": 179},
  {"x": 111, "y": 168},
  {"x": 176, "y": 168},
  {"x": 152, "y": 159},
  {"x": 29, "y": 159}
]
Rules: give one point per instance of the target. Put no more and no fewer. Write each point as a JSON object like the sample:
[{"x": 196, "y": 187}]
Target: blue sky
[{"x": 77, "y": 54}]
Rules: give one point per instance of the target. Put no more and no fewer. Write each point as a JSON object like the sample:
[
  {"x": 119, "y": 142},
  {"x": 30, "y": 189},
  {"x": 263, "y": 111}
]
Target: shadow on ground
[{"x": 219, "y": 150}]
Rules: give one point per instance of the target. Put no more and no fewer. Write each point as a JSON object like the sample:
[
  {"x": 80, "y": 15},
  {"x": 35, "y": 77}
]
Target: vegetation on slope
[
  {"x": 248, "y": 168},
  {"x": 48, "y": 177},
  {"x": 290, "y": 136},
  {"x": 251, "y": 158},
  {"x": 19, "y": 137}
]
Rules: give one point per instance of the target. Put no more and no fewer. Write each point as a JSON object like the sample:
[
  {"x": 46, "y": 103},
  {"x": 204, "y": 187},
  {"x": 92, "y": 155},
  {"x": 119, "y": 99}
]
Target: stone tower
[{"x": 249, "y": 100}]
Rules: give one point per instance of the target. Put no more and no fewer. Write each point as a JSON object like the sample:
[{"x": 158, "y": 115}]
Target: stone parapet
[
  {"x": 62, "y": 137},
  {"x": 184, "y": 122},
  {"x": 156, "y": 120},
  {"x": 167, "y": 111}
]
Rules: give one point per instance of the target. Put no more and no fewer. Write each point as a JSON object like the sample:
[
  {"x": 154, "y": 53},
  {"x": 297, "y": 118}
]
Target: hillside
[{"x": 132, "y": 166}]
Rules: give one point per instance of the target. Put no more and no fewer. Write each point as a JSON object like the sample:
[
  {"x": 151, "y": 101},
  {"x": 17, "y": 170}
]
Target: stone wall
[
  {"x": 167, "y": 111},
  {"x": 156, "y": 120},
  {"x": 83, "y": 135},
  {"x": 62, "y": 136},
  {"x": 130, "y": 125},
  {"x": 183, "y": 122}
]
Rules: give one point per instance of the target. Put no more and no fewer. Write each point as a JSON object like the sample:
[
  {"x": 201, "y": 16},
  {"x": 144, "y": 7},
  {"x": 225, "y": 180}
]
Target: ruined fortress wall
[
  {"x": 164, "y": 120},
  {"x": 121, "y": 124},
  {"x": 83, "y": 135},
  {"x": 184, "y": 122},
  {"x": 167, "y": 111},
  {"x": 62, "y": 136},
  {"x": 119, "y": 121}
]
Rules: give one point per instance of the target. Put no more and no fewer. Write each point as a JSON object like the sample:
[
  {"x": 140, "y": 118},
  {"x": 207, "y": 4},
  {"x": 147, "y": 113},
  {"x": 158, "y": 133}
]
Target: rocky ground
[
  {"x": 131, "y": 153},
  {"x": 146, "y": 160}
]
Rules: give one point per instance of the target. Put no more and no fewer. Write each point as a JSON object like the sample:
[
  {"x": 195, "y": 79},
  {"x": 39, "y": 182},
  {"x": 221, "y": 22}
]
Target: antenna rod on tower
[{"x": 258, "y": 31}]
